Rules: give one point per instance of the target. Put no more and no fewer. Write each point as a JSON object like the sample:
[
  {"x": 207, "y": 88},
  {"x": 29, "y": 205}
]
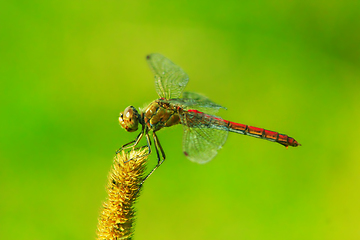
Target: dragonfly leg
[
  {"x": 134, "y": 143},
  {"x": 158, "y": 145},
  {"x": 148, "y": 145},
  {"x": 160, "y": 161}
]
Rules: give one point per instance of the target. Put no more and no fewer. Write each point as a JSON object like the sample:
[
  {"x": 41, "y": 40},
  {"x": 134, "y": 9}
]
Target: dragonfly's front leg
[
  {"x": 135, "y": 142},
  {"x": 148, "y": 145}
]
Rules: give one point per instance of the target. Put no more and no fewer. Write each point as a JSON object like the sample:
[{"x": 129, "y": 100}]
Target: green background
[{"x": 69, "y": 67}]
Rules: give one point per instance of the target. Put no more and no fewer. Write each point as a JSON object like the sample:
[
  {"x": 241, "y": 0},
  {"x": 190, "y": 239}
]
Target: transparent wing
[
  {"x": 197, "y": 101},
  {"x": 203, "y": 136},
  {"x": 170, "y": 79}
]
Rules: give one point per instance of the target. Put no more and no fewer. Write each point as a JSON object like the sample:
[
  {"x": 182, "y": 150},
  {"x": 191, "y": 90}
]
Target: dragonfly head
[{"x": 129, "y": 119}]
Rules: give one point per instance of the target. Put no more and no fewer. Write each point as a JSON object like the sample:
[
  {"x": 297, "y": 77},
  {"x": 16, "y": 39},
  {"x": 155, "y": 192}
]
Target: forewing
[
  {"x": 201, "y": 103},
  {"x": 170, "y": 79},
  {"x": 197, "y": 101},
  {"x": 202, "y": 139}
]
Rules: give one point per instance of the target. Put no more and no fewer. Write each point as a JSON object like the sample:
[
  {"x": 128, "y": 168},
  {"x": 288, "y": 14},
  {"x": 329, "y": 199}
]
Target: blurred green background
[{"x": 67, "y": 69}]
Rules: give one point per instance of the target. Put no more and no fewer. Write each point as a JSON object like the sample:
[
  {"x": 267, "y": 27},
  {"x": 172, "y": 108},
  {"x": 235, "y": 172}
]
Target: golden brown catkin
[{"x": 117, "y": 217}]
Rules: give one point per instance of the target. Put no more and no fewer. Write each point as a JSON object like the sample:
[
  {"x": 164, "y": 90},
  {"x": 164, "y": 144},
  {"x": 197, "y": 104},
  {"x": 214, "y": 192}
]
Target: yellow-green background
[{"x": 69, "y": 67}]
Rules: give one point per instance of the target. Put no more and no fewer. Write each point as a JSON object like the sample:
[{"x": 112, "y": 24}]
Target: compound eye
[
  {"x": 129, "y": 114},
  {"x": 129, "y": 119}
]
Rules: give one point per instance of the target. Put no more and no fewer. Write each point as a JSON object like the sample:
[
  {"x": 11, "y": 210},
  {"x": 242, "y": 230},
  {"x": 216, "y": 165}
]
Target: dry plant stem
[{"x": 116, "y": 220}]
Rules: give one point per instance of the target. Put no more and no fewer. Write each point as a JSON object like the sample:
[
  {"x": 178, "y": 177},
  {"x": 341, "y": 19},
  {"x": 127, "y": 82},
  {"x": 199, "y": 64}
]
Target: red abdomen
[
  {"x": 262, "y": 133},
  {"x": 218, "y": 123}
]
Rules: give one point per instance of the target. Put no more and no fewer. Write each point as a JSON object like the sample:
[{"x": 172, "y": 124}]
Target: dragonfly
[{"x": 204, "y": 132}]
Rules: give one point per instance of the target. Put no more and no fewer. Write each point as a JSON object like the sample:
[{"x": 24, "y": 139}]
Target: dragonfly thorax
[{"x": 129, "y": 119}]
